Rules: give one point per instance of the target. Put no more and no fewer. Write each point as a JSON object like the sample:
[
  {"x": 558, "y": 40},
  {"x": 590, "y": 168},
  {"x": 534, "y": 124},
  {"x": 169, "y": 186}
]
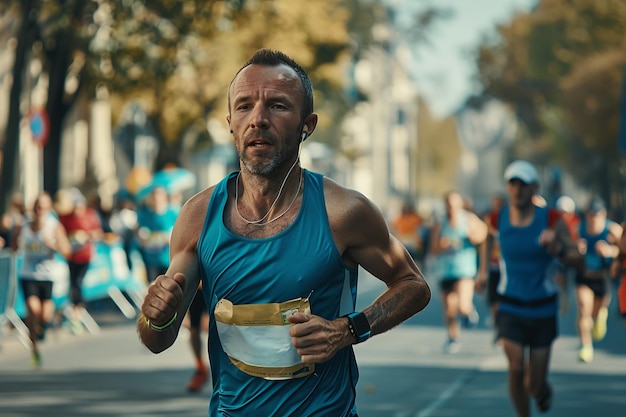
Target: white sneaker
[
  {"x": 471, "y": 320},
  {"x": 451, "y": 346}
]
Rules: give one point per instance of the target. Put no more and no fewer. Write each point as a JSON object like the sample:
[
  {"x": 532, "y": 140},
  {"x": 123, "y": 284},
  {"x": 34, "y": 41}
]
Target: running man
[
  {"x": 278, "y": 249},
  {"x": 529, "y": 237},
  {"x": 598, "y": 239}
]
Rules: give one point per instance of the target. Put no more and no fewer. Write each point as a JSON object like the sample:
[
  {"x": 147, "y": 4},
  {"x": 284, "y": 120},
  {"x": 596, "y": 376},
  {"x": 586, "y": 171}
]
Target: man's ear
[
  {"x": 228, "y": 121},
  {"x": 309, "y": 124}
]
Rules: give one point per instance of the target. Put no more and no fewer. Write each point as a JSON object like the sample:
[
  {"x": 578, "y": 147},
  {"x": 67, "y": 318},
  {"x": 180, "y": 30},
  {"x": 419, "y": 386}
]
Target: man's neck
[{"x": 521, "y": 216}]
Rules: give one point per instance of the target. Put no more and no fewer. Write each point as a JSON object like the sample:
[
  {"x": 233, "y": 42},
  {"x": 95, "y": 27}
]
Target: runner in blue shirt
[
  {"x": 598, "y": 239},
  {"x": 529, "y": 237},
  {"x": 278, "y": 249}
]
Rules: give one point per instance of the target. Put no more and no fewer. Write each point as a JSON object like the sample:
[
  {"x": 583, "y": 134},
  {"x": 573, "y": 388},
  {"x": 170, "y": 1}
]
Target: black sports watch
[{"x": 359, "y": 326}]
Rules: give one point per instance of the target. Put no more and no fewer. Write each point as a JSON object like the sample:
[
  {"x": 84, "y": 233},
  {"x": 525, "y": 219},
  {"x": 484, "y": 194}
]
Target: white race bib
[{"x": 256, "y": 338}]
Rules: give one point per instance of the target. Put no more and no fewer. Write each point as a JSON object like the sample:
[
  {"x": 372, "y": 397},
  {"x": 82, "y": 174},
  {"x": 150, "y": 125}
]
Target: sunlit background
[{"x": 415, "y": 97}]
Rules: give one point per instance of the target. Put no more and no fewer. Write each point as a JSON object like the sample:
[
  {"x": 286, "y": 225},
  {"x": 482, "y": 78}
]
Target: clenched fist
[{"x": 163, "y": 299}]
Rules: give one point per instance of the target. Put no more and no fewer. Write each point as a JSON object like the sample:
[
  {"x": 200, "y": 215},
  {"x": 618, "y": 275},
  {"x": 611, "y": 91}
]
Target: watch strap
[{"x": 359, "y": 326}]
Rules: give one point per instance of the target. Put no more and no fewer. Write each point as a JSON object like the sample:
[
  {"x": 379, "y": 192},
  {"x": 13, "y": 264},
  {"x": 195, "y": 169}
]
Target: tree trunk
[
  {"x": 25, "y": 39},
  {"x": 57, "y": 108}
]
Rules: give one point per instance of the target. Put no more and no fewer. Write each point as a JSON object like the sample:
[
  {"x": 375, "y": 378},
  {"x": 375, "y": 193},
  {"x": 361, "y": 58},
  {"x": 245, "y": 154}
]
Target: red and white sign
[{"x": 39, "y": 125}]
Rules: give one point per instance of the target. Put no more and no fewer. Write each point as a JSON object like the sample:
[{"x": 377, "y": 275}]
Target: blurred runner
[
  {"x": 566, "y": 274},
  {"x": 155, "y": 221},
  {"x": 454, "y": 239},
  {"x": 123, "y": 223},
  {"x": 83, "y": 227},
  {"x": 407, "y": 228},
  {"x": 598, "y": 238},
  {"x": 38, "y": 240},
  {"x": 529, "y": 237}
]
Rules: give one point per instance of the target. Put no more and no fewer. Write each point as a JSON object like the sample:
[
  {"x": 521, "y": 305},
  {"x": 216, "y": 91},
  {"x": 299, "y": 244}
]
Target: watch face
[{"x": 361, "y": 324}]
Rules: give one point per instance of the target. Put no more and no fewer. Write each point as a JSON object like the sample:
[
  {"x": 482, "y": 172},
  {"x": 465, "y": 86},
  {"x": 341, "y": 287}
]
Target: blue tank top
[
  {"x": 461, "y": 260},
  {"x": 526, "y": 284},
  {"x": 301, "y": 260},
  {"x": 593, "y": 261}
]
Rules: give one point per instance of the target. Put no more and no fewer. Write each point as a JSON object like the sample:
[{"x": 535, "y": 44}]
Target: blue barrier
[
  {"x": 7, "y": 283},
  {"x": 8, "y": 295},
  {"x": 108, "y": 272}
]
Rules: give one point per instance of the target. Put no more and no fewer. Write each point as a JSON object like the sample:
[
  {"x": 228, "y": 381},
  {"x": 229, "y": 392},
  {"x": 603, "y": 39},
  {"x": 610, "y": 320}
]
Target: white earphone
[{"x": 304, "y": 135}]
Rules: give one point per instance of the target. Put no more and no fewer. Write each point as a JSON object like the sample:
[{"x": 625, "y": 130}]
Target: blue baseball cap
[{"x": 596, "y": 205}]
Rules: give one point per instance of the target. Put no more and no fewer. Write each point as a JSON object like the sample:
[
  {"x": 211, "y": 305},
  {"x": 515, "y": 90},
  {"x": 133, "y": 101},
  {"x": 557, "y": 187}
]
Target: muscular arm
[
  {"x": 362, "y": 237},
  {"x": 173, "y": 292},
  {"x": 381, "y": 254}
]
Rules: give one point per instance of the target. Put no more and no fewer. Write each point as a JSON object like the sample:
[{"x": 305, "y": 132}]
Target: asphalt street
[{"x": 404, "y": 373}]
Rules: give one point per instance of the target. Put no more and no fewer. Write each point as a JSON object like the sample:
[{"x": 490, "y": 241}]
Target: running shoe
[
  {"x": 35, "y": 359},
  {"x": 197, "y": 381},
  {"x": 41, "y": 333},
  {"x": 471, "y": 320},
  {"x": 599, "y": 326},
  {"x": 452, "y": 346},
  {"x": 544, "y": 401},
  {"x": 585, "y": 354},
  {"x": 74, "y": 326}
]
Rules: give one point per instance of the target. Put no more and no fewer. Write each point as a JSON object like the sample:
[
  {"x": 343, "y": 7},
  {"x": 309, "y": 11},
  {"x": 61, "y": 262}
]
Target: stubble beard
[{"x": 262, "y": 169}]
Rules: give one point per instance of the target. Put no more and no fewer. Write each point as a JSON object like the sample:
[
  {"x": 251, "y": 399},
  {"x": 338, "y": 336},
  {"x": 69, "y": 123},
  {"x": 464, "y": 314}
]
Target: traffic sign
[{"x": 39, "y": 125}]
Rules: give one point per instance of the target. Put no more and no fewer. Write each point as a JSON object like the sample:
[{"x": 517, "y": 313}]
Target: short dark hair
[{"x": 272, "y": 58}]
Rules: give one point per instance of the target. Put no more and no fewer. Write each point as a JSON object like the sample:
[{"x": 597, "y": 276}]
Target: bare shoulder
[
  {"x": 343, "y": 204},
  {"x": 190, "y": 220},
  {"x": 354, "y": 219}
]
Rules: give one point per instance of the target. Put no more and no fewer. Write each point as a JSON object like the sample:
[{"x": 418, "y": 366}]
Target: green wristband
[{"x": 165, "y": 326}]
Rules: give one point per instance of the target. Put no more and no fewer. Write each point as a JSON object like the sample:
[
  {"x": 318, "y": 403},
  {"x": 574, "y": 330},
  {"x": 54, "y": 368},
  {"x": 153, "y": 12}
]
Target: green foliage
[
  {"x": 561, "y": 66},
  {"x": 177, "y": 58}
]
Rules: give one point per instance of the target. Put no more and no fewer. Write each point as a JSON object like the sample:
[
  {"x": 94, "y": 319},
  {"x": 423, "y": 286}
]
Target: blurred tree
[
  {"x": 592, "y": 100},
  {"x": 174, "y": 58},
  {"x": 178, "y": 57},
  {"x": 561, "y": 67}
]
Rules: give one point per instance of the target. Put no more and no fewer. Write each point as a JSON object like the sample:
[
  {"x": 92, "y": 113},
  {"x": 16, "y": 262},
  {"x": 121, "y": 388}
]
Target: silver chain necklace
[{"x": 258, "y": 222}]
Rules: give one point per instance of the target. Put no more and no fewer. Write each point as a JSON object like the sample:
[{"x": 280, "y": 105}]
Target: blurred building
[
  {"x": 486, "y": 128},
  {"x": 381, "y": 132}
]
